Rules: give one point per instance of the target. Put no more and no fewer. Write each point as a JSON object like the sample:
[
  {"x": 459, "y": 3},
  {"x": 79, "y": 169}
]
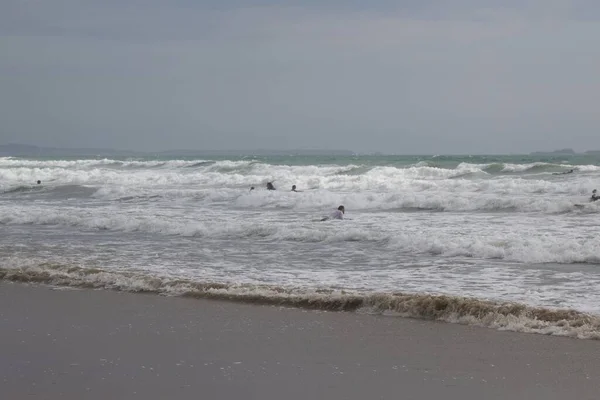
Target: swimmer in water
[
  {"x": 39, "y": 182},
  {"x": 337, "y": 214},
  {"x": 270, "y": 186},
  {"x": 595, "y": 196},
  {"x": 251, "y": 188},
  {"x": 294, "y": 189}
]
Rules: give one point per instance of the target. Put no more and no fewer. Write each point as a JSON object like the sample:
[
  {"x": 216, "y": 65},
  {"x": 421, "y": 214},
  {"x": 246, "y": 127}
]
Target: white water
[{"x": 513, "y": 236}]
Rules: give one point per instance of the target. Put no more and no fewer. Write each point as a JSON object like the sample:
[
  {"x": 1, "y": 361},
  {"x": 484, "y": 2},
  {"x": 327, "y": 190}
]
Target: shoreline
[
  {"x": 471, "y": 311},
  {"x": 99, "y": 344}
]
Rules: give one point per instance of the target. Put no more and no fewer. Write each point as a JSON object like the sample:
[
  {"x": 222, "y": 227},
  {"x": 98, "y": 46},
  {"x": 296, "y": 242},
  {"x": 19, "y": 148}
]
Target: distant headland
[
  {"x": 24, "y": 150},
  {"x": 564, "y": 152}
]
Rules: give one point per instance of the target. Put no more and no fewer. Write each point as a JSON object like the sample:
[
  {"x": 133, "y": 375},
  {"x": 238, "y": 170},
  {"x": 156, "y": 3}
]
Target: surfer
[
  {"x": 595, "y": 196},
  {"x": 564, "y": 173},
  {"x": 337, "y": 214},
  {"x": 270, "y": 186},
  {"x": 294, "y": 189}
]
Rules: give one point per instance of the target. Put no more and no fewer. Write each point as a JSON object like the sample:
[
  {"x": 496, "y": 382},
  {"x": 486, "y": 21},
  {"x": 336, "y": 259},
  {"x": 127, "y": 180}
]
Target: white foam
[
  {"x": 446, "y": 237},
  {"x": 455, "y": 309},
  {"x": 420, "y": 228},
  {"x": 238, "y": 174}
]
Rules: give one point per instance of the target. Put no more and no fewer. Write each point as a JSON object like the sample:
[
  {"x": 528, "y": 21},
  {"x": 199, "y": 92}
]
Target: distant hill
[{"x": 23, "y": 150}]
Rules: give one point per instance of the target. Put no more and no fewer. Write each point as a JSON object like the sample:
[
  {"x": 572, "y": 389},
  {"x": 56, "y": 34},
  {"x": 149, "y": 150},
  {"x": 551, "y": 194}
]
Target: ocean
[{"x": 507, "y": 242}]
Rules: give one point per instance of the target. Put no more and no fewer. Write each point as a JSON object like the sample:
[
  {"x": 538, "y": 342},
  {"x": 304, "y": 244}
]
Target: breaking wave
[
  {"x": 20, "y": 189},
  {"x": 540, "y": 247},
  {"x": 454, "y": 309},
  {"x": 59, "y": 191},
  {"x": 424, "y": 185}
]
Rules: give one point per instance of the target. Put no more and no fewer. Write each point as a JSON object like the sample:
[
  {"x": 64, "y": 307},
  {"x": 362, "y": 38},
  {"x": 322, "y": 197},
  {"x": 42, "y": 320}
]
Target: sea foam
[{"x": 454, "y": 309}]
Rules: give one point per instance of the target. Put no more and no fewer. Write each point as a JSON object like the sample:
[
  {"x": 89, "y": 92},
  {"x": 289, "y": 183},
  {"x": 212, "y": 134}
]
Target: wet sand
[{"x": 85, "y": 344}]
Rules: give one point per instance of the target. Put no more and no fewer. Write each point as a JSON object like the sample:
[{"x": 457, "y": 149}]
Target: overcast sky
[{"x": 413, "y": 76}]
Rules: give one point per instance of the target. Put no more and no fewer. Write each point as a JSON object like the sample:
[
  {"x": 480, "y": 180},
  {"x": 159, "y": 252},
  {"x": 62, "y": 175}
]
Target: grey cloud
[{"x": 425, "y": 78}]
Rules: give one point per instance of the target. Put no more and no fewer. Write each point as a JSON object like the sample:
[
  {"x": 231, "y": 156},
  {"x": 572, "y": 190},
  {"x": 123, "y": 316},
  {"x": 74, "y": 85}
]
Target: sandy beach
[{"x": 94, "y": 344}]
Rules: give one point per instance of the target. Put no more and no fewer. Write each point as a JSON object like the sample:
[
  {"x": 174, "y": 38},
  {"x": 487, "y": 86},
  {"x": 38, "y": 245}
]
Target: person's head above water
[
  {"x": 342, "y": 209},
  {"x": 251, "y": 187},
  {"x": 270, "y": 186},
  {"x": 38, "y": 182},
  {"x": 293, "y": 188}
]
